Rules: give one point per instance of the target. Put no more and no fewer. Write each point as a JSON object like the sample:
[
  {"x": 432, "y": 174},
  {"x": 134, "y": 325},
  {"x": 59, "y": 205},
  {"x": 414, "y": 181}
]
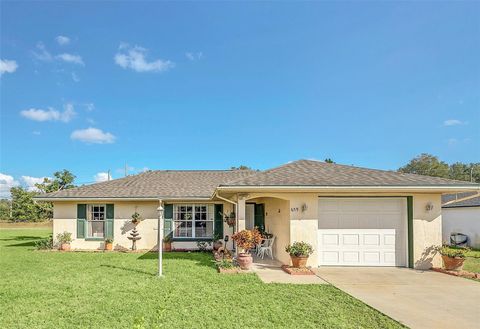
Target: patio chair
[{"x": 266, "y": 248}]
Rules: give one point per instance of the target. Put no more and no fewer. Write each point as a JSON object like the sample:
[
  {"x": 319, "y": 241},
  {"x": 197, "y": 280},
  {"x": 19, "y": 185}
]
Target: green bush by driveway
[{"x": 117, "y": 290}]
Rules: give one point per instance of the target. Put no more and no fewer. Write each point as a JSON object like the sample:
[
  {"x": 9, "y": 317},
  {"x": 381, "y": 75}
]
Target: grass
[
  {"x": 472, "y": 262},
  {"x": 120, "y": 290}
]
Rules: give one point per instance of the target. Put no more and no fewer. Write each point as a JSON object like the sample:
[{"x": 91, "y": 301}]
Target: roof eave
[
  {"x": 283, "y": 188},
  {"x": 52, "y": 199}
]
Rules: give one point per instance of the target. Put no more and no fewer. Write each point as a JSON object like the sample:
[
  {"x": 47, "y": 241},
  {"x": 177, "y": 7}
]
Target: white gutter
[
  {"x": 349, "y": 188},
  {"x": 215, "y": 195}
]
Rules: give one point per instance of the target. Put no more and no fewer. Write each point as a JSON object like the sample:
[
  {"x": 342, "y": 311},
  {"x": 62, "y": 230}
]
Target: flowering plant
[
  {"x": 247, "y": 239},
  {"x": 136, "y": 218}
]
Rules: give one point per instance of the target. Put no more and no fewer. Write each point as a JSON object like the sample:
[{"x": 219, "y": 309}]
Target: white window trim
[
  {"x": 89, "y": 219},
  {"x": 209, "y": 206}
]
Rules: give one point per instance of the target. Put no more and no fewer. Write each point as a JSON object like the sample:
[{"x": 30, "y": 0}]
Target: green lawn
[
  {"x": 118, "y": 290},
  {"x": 472, "y": 262}
]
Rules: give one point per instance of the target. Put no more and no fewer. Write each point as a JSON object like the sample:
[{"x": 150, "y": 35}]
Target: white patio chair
[
  {"x": 266, "y": 248},
  {"x": 260, "y": 245}
]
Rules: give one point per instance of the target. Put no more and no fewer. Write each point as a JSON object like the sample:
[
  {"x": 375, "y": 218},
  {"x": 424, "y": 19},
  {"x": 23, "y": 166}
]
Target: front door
[{"x": 249, "y": 216}]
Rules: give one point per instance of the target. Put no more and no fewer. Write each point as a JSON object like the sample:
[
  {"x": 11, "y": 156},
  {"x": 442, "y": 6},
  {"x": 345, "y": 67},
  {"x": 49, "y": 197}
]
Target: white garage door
[{"x": 362, "y": 231}]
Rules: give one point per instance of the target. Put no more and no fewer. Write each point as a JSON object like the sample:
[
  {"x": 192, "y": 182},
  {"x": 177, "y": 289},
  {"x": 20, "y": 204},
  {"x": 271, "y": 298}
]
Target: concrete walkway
[
  {"x": 418, "y": 299},
  {"x": 269, "y": 271}
]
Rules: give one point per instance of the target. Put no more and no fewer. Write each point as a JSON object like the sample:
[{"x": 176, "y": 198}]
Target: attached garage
[{"x": 366, "y": 231}]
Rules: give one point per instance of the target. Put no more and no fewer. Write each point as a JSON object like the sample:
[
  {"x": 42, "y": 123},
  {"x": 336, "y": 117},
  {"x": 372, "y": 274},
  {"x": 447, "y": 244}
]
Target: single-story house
[
  {"x": 461, "y": 214},
  {"x": 352, "y": 216}
]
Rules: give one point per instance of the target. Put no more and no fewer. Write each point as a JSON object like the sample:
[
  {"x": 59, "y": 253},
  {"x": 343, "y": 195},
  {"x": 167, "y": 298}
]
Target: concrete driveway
[{"x": 418, "y": 299}]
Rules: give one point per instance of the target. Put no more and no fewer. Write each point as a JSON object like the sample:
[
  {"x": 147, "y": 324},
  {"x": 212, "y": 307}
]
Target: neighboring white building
[{"x": 461, "y": 214}]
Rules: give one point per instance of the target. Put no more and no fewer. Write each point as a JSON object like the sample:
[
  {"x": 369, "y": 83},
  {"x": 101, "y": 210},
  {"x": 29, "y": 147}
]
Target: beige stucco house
[{"x": 352, "y": 216}]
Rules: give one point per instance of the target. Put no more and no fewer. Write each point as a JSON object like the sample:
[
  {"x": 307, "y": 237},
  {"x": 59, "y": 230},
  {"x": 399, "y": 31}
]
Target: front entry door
[{"x": 249, "y": 216}]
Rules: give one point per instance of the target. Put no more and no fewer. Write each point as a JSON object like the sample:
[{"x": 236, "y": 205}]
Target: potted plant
[
  {"x": 64, "y": 240},
  {"x": 167, "y": 243},
  {"x": 453, "y": 258},
  {"x": 246, "y": 240},
  {"x": 136, "y": 219},
  {"x": 299, "y": 252},
  {"x": 229, "y": 218},
  {"x": 108, "y": 244}
]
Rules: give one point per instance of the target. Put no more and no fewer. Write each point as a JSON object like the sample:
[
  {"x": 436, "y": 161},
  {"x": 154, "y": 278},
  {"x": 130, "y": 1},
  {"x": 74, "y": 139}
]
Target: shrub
[
  {"x": 203, "y": 245},
  {"x": 225, "y": 263},
  {"x": 453, "y": 252},
  {"x": 65, "y": 237},
  {"x": 108, "y": 240},
  {"x": 299, "y": 249},
  {"x": 44, "y": 244},
  {"x": 247, "y": 239}
]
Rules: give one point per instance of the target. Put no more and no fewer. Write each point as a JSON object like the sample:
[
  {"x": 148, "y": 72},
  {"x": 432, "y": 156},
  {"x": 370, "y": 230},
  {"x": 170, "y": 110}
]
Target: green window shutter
[
  {"x": 168, "y": 219},
  {"x": 218, "y": 221},
  {"x": 109, "y": 220},
  {"x": 81, "y": 220},
  {"x": 259, "y": 220}
]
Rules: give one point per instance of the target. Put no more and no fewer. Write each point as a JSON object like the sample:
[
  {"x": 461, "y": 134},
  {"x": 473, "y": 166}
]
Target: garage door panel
[{"x": 362, "y": 231}]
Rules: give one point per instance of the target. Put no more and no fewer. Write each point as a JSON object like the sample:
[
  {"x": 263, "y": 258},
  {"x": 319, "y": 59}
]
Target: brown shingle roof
[
  {"x": 472, "y": 202},
  {"x": 156, "y": 184},
  {"x": 202, "y": 183},
  {"x": 316, "y": 173}
]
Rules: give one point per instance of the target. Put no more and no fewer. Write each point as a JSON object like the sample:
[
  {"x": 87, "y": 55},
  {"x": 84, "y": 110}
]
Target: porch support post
[{"x": 241, "y": 212}]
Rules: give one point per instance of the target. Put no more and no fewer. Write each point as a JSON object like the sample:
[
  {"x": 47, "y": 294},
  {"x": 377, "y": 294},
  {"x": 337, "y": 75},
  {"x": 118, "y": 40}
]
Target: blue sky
[{"x": 92, "y": 86}]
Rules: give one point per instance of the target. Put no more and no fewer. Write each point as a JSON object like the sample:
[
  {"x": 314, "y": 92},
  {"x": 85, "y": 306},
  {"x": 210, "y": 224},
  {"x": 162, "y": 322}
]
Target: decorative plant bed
[
  {"x": 297, "y": 270},
  {"x": 462, "y": 273}
]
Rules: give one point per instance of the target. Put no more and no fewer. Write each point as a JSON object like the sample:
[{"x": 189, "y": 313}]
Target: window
[
  {"x": 193, "y": 221},
  {"x": 96, "y": 220}
]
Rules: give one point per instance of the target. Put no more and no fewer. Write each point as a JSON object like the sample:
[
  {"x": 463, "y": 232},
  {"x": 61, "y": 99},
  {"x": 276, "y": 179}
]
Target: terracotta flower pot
[
  {"x": 245, "y": 261},
  {"x": 108, "y": 246},
  {"x": 453, "y": 264},
  {"x": 299, "y": 262},
  {"x": 167, "y": 246},
  {"x": 65, "y": 246}
]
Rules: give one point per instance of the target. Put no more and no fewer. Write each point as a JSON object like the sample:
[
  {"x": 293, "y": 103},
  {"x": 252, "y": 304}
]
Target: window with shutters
[
  {"x": 193, "y": 220},
  {"x": 96, "y": 220}
]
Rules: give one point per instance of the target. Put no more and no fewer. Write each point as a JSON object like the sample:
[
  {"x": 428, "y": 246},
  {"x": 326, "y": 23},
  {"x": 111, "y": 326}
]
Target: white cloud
[
  {"x": 31, "y": 181},
  {"x": 102, "y": 177},
  {"x": 7, "y": 66},
  {"x": 42, "y": 53},
  {"x": 75, "y": 77},
  {"x": 70, "y": 58},
  {"x": 453, "y": 122},
  {"x": 194, "y": 56},
  {"x": 6, "y": 183},
  {"x": 93, "y": 135},
  {"x": 135, "y": 58},
  {"x": 62, "y": 40},
  {"x": 51, "y": 114},
  {"x": 36, "y": 132}
]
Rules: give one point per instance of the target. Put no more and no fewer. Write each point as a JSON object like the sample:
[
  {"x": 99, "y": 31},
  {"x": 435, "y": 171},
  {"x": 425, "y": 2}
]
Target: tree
[
  {"x": 459, "y": 171},
  {"x": 242, "y": 167},
  {"x": 24, "y": 208},
  {"x": 62, "y": 180},
  {"x": 328, "y": 160},
  {"x": 5, "y": 209},
  {"x": 426, "y": 164}
]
